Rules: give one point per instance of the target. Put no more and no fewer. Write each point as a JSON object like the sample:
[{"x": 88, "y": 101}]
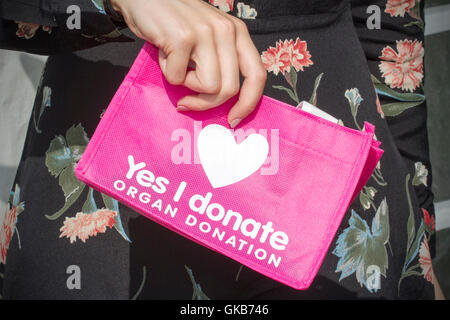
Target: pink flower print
[
  {"x": 425, "y": 261},
  {"x": 379, "y": 109},
  {"x": 429, "y": 220},
  {"x": 224, "y": 5},
  {"x": 26, "y": 30},
  {"x": 398, "y": 8},
  {"x": 7, "y": 230},
  {"x": 285, "y": 54},
  {"x": 85, "y": 225},
  {"x": 403, "y": 68}
]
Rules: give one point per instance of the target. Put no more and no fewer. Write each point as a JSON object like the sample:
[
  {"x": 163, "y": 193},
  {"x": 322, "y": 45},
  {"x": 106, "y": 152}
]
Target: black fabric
[
  {"x": 159, "y": 264},
  {"x": 26, "y": 10}
]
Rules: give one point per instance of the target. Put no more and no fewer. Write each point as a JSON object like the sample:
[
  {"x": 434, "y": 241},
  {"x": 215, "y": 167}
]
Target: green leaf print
[
  {"x": 61, "y": 159},
  {"x": 46, "y": 103},
  {"x": 414, "y": 239},
  {"x": 291, "y": 93},
  {"x": 77, "y": 141},
  {"x": 99, "y": 5},
  {"x": 144, "y": 277},
  {"x": 418, "y": 23},
  {"x": 291, "y": 78},
  {"x": 420, "y": 175},
  {"x": 58, "y": 156},
  {"x": 364, "y": 200},
  {"x": 411, "y": 228},
  {"x": 415, "y": 246},
  {"x": 380, "y": 223},
  {"x": 197, "y": 293},
  {"x": 412, "y": 246},
  {"x": 362, "y": 250},
  {"x": 14, "y": 200},
  {"x": 416, "y": 14},
  {"x": 366, "y": 197},
  {"x": 72, "y": 189},
  {"x": 113, "y": 205},
  {"x": 89, "y": 205},
  {"x": 384, "y": 90},
  {"x": 313, "y": 99},
  {"x": 354, "y": 100},
  {"x": 396, "y": 108}
]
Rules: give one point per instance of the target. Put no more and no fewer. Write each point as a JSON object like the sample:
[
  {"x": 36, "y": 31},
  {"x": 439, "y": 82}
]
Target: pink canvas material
[{"x": 288, "y": 216}]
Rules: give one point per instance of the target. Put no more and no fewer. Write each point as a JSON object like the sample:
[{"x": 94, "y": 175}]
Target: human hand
[{"x": 219, "y": 44}]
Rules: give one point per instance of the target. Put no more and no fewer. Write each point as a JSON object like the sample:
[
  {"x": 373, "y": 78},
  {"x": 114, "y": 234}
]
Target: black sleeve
[
  {"x": 402, "y": 100},
  {"x": 52, "y": 26}
]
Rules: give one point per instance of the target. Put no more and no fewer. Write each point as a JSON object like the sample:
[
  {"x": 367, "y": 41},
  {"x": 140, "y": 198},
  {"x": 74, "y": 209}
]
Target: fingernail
[
  {"x": 234, "y": 123},
  {"x": 183, "y": 108}
]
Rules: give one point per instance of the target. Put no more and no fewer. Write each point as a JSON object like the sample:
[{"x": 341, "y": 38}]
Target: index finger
[{"x": 254, "y": 73}]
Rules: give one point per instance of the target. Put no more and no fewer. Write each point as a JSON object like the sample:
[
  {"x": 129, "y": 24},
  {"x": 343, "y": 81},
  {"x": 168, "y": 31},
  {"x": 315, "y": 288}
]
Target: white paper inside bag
[{"x": 305, "y": 106}]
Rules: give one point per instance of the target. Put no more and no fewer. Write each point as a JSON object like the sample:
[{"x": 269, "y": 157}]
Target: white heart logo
[{"x": 225, "y": 162}]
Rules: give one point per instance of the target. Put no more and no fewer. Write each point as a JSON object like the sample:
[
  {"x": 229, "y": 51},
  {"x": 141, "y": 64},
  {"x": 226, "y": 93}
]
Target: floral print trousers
[{"x": 324, "y": 52}]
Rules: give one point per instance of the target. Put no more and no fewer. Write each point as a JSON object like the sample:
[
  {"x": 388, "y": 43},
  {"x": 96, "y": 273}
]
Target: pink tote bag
[{"x": 269, "y": 194}]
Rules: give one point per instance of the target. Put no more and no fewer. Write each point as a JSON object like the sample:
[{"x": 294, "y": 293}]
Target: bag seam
[
  {"x": 363, "y": 147},
  {"x": 113, "y": 117}
]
